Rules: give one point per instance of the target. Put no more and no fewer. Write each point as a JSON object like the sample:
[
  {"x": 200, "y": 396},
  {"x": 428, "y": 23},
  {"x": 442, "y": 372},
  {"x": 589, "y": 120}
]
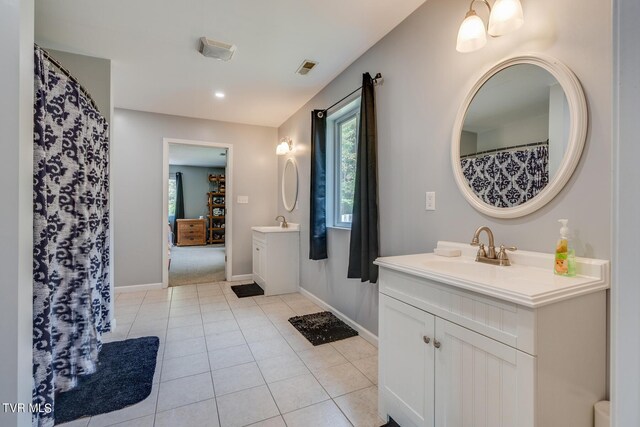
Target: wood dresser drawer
[{"x": 191, "y": 232}]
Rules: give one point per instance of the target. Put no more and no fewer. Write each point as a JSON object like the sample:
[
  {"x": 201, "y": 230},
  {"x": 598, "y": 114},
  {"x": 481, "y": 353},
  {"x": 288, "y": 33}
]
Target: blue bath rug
[{"x": 123, "y": 378}]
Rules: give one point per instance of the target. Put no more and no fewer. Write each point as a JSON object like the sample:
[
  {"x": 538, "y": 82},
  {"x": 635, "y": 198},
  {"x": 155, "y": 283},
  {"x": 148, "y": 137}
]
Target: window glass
[
  {"x": 172, "y": 196},
  {"x": 342, "y": 138}
]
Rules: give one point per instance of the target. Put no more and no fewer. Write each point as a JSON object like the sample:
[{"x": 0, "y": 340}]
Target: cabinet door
[
  {"x": 259, "y": 259},
  {"x": 406, "y": 382},
  {"x": 481, "y": 382}
]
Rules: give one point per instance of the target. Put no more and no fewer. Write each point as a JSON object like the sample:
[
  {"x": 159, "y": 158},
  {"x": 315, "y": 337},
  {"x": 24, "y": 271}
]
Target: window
[
  {"x": 342, "y": 135},
  {"x": 172, "y": 196}
]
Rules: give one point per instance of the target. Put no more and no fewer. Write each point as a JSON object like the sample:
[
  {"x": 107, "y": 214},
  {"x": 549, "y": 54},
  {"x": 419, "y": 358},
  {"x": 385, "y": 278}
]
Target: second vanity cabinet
[
  {"x": 275, "y": 259},
  {"x": 450, "y": 356}
]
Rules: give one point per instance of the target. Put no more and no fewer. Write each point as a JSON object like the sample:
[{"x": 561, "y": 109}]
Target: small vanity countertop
[
  {"x": 529, "y": 281},
  {"x": 277, "y": 229}
]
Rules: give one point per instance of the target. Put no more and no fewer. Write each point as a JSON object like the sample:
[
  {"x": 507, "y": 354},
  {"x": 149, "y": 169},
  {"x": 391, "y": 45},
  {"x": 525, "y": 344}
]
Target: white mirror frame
[
  {"x": 289, "y": 208},
  {"x": 577, "y": 136}
]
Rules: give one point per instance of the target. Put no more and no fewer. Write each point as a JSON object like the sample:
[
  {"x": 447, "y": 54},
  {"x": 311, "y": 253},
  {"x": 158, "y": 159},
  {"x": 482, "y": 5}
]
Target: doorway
[{"x": 197, "y": 233}]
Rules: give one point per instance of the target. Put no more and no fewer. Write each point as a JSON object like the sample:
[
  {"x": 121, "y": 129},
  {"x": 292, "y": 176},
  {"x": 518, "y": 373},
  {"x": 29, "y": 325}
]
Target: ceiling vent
[
  {"x": 305, "y": 67},
  {"x": 215, "y": 49}
]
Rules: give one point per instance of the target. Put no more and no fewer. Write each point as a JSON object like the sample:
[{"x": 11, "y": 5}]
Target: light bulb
[
  {"x": 506, "y": 16},
  {"x": 472, "y": 35},
  {"x": 282, "y": 148}
]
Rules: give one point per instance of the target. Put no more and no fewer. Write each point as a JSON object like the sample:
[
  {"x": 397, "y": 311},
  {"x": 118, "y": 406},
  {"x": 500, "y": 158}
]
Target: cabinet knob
[
  {"x": 257, "y": 249},
  {"x": 426, "y": 339},
  {"x": 436, "y": 343}
]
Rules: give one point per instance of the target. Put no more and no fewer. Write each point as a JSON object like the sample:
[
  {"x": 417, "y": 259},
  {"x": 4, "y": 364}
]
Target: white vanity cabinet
[
  {"x": 470, "y": 380},
  {"x": 275, "y": 259},
  {"x": 452, "y": 356}
]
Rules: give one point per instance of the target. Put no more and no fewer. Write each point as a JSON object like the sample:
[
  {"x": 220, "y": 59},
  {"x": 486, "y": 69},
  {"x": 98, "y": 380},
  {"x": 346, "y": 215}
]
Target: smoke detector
[
  {"x": 215, "y": 49},
  {"x": 306, "y": 66}
]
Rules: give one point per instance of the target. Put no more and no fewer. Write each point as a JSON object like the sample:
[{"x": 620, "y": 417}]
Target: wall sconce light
[
  {"x": 505, "y": 17},
  {"x": 285, "y": 146}
]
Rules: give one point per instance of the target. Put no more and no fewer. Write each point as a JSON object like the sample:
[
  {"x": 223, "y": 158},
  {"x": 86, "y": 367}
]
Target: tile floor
[{"x": 228, "y": 362}]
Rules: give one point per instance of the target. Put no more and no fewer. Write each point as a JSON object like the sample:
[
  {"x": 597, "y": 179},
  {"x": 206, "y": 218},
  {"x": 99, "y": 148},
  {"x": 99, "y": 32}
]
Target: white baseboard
[
  {"x": 364, "y": 333},
  {"x": 241, "y": 277},
  {"x": 137, "y": 288}
]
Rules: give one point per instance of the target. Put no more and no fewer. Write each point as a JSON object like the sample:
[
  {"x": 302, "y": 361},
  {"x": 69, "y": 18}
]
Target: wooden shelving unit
[{"x": 217, "y": 209}]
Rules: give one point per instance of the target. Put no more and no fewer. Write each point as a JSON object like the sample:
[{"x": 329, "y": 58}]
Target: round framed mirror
[
  {"x": 518, "y": 136},
  {"x": 290, "y": 185}
]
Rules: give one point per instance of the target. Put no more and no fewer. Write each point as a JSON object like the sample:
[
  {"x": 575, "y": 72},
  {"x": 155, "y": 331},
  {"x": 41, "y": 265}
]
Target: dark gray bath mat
[
  {"x": 244, "y": 291},
  {"x": 391, "y": 423},
  {"x": 124, "y": 377},
  {"x": 321, "y": 328}
]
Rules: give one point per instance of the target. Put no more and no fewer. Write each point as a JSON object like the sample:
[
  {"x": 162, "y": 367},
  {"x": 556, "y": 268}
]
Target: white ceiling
[
  {"x": 157, "y": 68},
  {"x": 195, "y": 155}
]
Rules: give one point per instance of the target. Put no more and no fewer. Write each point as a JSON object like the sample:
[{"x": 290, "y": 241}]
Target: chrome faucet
[
  {"x": 489, "y": 255},
  {"x": 283, "y": 223}
]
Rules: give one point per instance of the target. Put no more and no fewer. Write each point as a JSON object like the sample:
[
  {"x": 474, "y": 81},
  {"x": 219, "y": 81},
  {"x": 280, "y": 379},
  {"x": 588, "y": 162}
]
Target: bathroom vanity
[
  {"x": 463, "y": 343},
  {"x": 275, "y": 258}
]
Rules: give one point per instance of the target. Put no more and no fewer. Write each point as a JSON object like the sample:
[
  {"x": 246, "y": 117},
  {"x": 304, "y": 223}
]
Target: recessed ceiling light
[{"x": 219, "y": 95}]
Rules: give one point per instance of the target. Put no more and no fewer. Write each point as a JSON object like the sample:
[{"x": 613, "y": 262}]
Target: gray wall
[
  {"x": 94, "y": 74},
  {"x": 137, "y": 182},
  {"x": 16, "y": 227},
  {"x": 625, "y": 293},
  {"x": 195, "y": 186},
  {"x": 516, "y": 132},
  {"x": 425, "y": 81}
]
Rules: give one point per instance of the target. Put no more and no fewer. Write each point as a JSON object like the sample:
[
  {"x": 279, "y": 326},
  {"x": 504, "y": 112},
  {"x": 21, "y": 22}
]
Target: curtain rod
[
  {"x": 70, "y": 76},
  {"x": 375, "y": 82},
  {"x": 495, "y": 150}
]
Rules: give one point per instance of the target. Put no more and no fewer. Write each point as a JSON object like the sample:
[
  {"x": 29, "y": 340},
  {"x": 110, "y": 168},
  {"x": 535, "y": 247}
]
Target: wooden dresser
[{"x": 191, "y": 232}]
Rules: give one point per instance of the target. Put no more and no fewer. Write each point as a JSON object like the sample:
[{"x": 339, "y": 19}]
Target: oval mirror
[
  {"x": 290, "y": 185},
  {"x": 518, "y": 136}
]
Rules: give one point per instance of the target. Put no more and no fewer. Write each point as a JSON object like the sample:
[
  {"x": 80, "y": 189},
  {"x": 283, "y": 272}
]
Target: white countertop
[
  {"x": 292, "y": 227},
  {"x": 529, "y": 281}
]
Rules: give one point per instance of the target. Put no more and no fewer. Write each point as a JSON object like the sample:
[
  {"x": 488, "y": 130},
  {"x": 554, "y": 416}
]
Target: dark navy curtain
[
  {"x": 363, "y": 249},
  {"x": 179, "y": 206},
  {"x": 71, "y": 283},
  {"x": 318, "y": 214}
]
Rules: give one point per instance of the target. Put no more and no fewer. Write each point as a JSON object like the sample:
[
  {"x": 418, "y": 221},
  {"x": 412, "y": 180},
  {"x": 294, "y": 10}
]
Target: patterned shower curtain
[
  {"x": 71, "y": 285},
  {"x": 508, "y": 178}
]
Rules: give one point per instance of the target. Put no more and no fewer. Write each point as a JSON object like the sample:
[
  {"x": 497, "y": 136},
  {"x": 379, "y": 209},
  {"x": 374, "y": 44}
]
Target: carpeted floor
[{"x": 196, "y": 264}]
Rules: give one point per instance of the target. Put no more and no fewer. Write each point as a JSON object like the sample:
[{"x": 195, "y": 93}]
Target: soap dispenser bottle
[{"x": 565, "y": 264}]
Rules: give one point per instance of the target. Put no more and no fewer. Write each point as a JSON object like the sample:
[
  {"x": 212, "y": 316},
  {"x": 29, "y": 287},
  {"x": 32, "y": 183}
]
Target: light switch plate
[
  {"x": 430, "y": 201},
  {"x": 243, "y": 200}
]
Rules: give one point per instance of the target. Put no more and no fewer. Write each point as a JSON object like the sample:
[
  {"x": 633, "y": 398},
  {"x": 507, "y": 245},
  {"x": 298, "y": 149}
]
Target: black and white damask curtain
[
  {"x": 508, "y": 178},
  {"x": 71, "y": 287}
]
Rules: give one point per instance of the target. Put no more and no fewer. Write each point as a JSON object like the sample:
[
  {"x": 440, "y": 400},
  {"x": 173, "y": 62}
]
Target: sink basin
[
  {"x": 529, "y": 280},
  {"x": 277, "y": 229}
]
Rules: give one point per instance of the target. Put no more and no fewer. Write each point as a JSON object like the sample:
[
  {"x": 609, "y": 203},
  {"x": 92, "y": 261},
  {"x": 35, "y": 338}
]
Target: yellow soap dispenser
[{"x": 565, "y": 264}]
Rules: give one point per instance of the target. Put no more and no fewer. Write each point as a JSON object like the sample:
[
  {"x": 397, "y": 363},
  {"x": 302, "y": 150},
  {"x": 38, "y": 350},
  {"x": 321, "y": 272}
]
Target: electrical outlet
[
  {"x": 243, "y": 200},
  {"x": 430, "y": 201}
]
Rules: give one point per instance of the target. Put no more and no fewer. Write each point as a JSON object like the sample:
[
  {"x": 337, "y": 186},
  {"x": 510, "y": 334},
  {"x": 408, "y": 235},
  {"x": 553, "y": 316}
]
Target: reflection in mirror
[
  {"x": 289, "y": 185},
  {"x": 515, "y": 135}
]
